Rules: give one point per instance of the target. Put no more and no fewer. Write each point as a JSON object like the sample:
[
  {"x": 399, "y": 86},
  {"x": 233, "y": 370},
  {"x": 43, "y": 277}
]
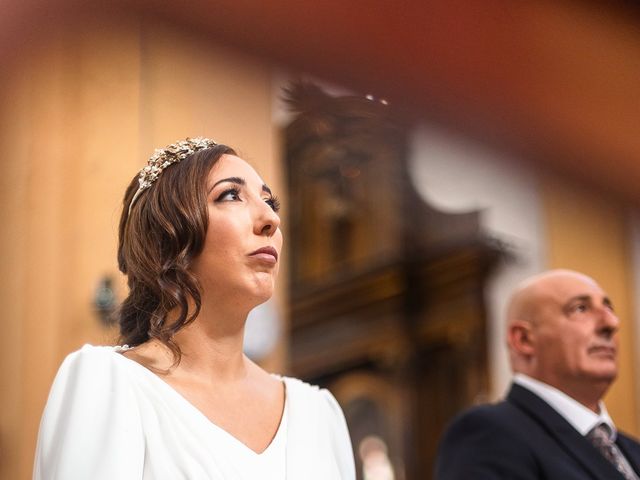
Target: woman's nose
[{"x": 267, "y": 222}]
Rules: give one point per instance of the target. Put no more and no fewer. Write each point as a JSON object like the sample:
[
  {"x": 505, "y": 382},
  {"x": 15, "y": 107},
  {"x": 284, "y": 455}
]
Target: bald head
[
  {"x": 561, "y": 330},
  {"x": 530, "y": 295}
]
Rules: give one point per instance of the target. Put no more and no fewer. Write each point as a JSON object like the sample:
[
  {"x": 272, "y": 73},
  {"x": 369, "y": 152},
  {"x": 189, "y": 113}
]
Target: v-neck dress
[{"x": 108, "y": 417}]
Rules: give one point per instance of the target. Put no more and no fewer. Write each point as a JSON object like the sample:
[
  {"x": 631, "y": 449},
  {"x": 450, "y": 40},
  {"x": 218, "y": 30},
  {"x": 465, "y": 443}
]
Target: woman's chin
[{"x": 260, "y": 295}]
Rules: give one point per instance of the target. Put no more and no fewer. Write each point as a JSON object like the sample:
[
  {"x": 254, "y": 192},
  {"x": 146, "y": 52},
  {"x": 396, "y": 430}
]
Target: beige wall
[
  {"x": 589, "y": 232},
  {"x": 79, "y": 117}
]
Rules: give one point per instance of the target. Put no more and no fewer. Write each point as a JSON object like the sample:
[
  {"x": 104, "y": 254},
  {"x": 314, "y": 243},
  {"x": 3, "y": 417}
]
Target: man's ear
[{"x": 521, "y": 338}]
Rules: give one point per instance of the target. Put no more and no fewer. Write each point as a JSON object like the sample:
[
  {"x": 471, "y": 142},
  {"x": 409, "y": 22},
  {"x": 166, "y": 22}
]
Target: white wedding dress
[{"x": 108, "y": 417}]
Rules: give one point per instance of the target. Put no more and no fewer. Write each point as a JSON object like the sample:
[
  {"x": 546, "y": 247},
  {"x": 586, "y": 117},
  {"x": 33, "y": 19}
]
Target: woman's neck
[{"x": 212, "y": 345}]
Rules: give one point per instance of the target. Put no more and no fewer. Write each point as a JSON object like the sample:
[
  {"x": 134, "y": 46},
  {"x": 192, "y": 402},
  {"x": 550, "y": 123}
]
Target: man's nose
[{"x": 608, "y": 320}]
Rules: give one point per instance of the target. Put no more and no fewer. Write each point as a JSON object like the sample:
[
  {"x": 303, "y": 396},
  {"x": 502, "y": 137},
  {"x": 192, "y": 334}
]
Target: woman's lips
[{"x": 266, "y": 254}]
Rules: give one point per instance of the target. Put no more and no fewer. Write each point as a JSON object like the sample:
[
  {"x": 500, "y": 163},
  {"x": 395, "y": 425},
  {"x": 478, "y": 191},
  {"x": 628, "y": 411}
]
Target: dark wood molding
[{"x": 395, "y": 321}]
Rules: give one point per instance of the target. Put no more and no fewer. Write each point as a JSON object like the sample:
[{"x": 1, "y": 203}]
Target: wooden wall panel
[
  {"x": 191, "y": 87},
  {"x": 79, "y": 117},
  {"x": 45, "y": 158},
  {"x": 63, "y": 108},
  {"x": 13, "y": 197}
]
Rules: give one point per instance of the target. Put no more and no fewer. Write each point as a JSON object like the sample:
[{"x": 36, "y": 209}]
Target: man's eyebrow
[
  {"x": 584, "y": 298},
  {"x": 236, "y": 180},
  {"x": 588, "y": 298},
  {"x": 578, "y": 298}
]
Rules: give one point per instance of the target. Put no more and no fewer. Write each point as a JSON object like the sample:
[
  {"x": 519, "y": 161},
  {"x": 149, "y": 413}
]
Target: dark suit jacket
[{"x": 523, "y": 438}]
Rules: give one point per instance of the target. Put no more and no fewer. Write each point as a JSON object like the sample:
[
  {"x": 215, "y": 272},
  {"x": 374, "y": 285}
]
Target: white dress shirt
[{"x": 579, "y": 416}]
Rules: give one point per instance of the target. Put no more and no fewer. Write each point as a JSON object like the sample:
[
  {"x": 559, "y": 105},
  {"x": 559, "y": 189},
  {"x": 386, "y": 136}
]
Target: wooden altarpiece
[{"x": 387, "y": 306}]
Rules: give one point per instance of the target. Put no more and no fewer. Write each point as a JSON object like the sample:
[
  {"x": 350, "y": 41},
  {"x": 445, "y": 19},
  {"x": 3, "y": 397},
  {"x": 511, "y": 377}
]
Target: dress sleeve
[
  {"x": 340, "y": 439},
  {"x": 90, "y": 428}
]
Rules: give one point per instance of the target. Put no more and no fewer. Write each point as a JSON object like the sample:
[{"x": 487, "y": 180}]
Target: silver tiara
[{"x": 163, "y": 157}]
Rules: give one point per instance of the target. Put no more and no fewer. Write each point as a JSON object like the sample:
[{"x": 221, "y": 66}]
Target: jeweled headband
[{"x": 163, "y": 157}]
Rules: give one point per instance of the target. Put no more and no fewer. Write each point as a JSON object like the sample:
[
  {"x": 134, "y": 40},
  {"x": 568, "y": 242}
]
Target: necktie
[{"x": 600, "y": 437}]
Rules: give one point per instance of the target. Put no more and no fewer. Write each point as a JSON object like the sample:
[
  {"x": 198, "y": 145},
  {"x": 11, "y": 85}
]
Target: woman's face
[{"x": 240, "y": 259}]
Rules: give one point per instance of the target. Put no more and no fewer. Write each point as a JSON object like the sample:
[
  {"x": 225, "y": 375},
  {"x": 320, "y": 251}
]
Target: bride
[{"x": 200, "y": 243}]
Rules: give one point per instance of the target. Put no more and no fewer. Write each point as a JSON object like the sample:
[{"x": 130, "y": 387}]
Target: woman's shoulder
[
  {"x": 315, "y": 413},
  {"x": 90, "y": 409},
  {"x": 88, "y": 383},
  {"x": 299, "y": 388},
  {"x": 93, "y": 356},
  {"x": 88, "y": 350},
  {"x": 302, "y": 387},
  {"x": 92, "y": 368},
  {"x": 303, "y": 392}
]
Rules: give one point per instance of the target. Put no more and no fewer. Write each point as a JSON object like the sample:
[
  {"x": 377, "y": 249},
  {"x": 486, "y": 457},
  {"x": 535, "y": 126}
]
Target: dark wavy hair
[{"x": 158, "y": 241}]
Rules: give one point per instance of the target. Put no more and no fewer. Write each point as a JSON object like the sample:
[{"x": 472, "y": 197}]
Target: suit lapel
[
  {"x": 627, "y": 447},
  {"x": 567, "y": 437}
]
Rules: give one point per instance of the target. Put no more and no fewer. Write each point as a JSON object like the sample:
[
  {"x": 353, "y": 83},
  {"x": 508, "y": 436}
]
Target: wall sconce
[{"x": 104, "y": 301}]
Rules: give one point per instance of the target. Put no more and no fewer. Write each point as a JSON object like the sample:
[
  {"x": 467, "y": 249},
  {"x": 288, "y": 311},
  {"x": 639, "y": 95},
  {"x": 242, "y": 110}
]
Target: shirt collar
[{"x": 579, "y": 416}]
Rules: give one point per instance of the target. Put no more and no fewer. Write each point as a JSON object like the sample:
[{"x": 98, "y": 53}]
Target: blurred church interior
[{"x": 429, "y": 156}]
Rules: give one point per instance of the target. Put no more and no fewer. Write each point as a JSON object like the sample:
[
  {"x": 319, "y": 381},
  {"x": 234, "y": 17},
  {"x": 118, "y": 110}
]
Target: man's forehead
[
  {"x": 568, "y": 285},
  {"x": 552, "y": 288}
]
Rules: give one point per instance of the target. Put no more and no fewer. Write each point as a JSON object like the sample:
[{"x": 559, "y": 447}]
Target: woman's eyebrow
[
  {"x": 266, "y": 189},
  {"x": 236, "y": 180}
]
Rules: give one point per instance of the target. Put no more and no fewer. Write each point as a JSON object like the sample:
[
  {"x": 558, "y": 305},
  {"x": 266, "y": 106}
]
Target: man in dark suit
[{"x": 562, "y": 341}]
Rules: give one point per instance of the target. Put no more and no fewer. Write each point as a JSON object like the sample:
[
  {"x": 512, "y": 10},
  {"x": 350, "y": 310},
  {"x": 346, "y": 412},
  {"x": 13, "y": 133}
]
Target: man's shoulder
[
  {"x": 629, "y": 438},
  {"x": 500, "y": 414},
  {"x": 630, "y": 444},
  {"x": 486, "y": 441},
  {"x": 510, "y": 420}
]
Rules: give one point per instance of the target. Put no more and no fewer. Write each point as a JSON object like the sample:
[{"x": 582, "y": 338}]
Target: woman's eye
[
  {"x": 233, "y": 194},
  {"x": 274, "y": 203}
]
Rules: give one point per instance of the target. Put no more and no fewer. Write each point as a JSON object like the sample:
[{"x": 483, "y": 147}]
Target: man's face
[{"x": 574, "y": 331}]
